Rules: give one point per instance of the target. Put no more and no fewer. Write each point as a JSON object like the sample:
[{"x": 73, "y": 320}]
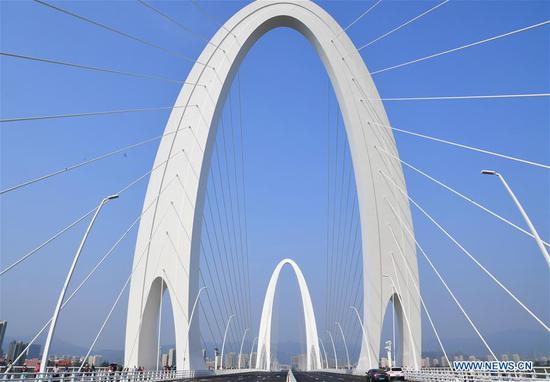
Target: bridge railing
[
  {"x": 342, "y": 371},
  {"x": 65, "y": 369},
  {"x": 443, "y": 374},
  {"x": 104, "y": 376},
  {"x": 446, "y": 374}
]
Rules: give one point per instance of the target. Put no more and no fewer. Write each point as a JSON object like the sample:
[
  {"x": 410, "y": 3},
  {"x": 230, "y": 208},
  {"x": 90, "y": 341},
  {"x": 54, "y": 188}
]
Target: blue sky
[{"x": 284, "y": 102}]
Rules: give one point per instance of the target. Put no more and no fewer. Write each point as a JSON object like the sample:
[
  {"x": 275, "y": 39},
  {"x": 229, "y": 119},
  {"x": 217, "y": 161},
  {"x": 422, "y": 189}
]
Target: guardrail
[
  {"x": 230, "y": 371},
  {"x": 104, "y": 376},
  {"x": 439, "y": 374},
  {"x": 341, "y": 371},
  {"x": 443, "y": 374},
  {"x": 28, "y": 369},
  {"x": 290, "y": 376}
]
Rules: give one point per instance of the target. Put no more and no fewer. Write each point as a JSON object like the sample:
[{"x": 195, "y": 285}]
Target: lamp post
[
  {"x": 365, "y": 336},
  {"x": 251, "y": 350},
  {"x": 51, "y": 331},
  {"x": 324, "y": 351},
  {"x": 345, "y": 344},
  {"x": 523, "y": 213},
  {"x": 224, "y": 337},
  {"x": 241, "y": 349},
  {"x": 333, "y": 349},
  {"x": 190, "y": 317}
]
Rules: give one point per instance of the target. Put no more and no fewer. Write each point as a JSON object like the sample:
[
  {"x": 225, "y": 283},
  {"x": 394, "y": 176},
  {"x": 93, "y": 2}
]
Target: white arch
[
  {"x": 263, "y": 355},
  {"x": 187, "y": 152}
]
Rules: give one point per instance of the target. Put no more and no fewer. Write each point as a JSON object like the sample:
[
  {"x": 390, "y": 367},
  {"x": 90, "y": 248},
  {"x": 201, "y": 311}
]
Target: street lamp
[
  {"x": 333, "y": 349},
  {"x": 345, "y": 344},
  {"x": 44, "y": 362},
  {"x": 224, "y": 337},
  {"x": 251, "y": 350},
  {"x": 190, "y": 316},
  {"x": 365, "y": 336},
  {"x": 241, "y": 349},
  {"x": 324, "y": 351},
  {"x": 523, "y": 213}
]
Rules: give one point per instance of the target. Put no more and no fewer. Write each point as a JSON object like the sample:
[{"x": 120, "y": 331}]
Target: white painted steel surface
[{"x": 177, "y": 214}]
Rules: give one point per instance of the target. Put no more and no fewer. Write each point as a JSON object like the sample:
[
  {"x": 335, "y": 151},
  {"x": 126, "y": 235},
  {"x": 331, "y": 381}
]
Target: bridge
[{"x": 191, "y": 243}]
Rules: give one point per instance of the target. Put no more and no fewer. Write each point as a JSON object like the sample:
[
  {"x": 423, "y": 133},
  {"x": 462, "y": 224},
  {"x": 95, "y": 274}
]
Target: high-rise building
[
  {"x": 164, "y": 360},
  {"x": 217, "y": 358},
  {"x": 230, "y": 361},
  {"x": 172, "y": 358},
  {"x": 505, "y": 358},
  {"x": 253, "y": 360},
  {"x": 244, "y": 361},
  {"x": 15, "y": 349},
  {"x": 3, "y": 326},
  {"x": 444, "y": 362},
  {"x": 34, "y": 351},
  {"x": 515, "y": 357},
  {"x": 95, "y": 360},
  {"x": 426, "y": 362}
]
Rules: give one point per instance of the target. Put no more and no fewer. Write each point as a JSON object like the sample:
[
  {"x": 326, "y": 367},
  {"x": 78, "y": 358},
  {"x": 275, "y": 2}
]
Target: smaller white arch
[{"x": 263, "y": 358}]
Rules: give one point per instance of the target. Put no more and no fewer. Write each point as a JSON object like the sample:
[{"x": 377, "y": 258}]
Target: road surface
[
  {"x": 279, "y": 376},
  {"x": 326, "y": 377}
]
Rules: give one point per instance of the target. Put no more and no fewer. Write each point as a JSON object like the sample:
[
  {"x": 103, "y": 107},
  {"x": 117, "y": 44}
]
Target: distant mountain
[{"x": 523, "y": 342}]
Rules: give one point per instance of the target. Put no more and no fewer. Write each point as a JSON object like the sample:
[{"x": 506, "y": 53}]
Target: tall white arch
[
  {"x": 174, "y": 221},
  {"x": 263, "y": 355}
]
